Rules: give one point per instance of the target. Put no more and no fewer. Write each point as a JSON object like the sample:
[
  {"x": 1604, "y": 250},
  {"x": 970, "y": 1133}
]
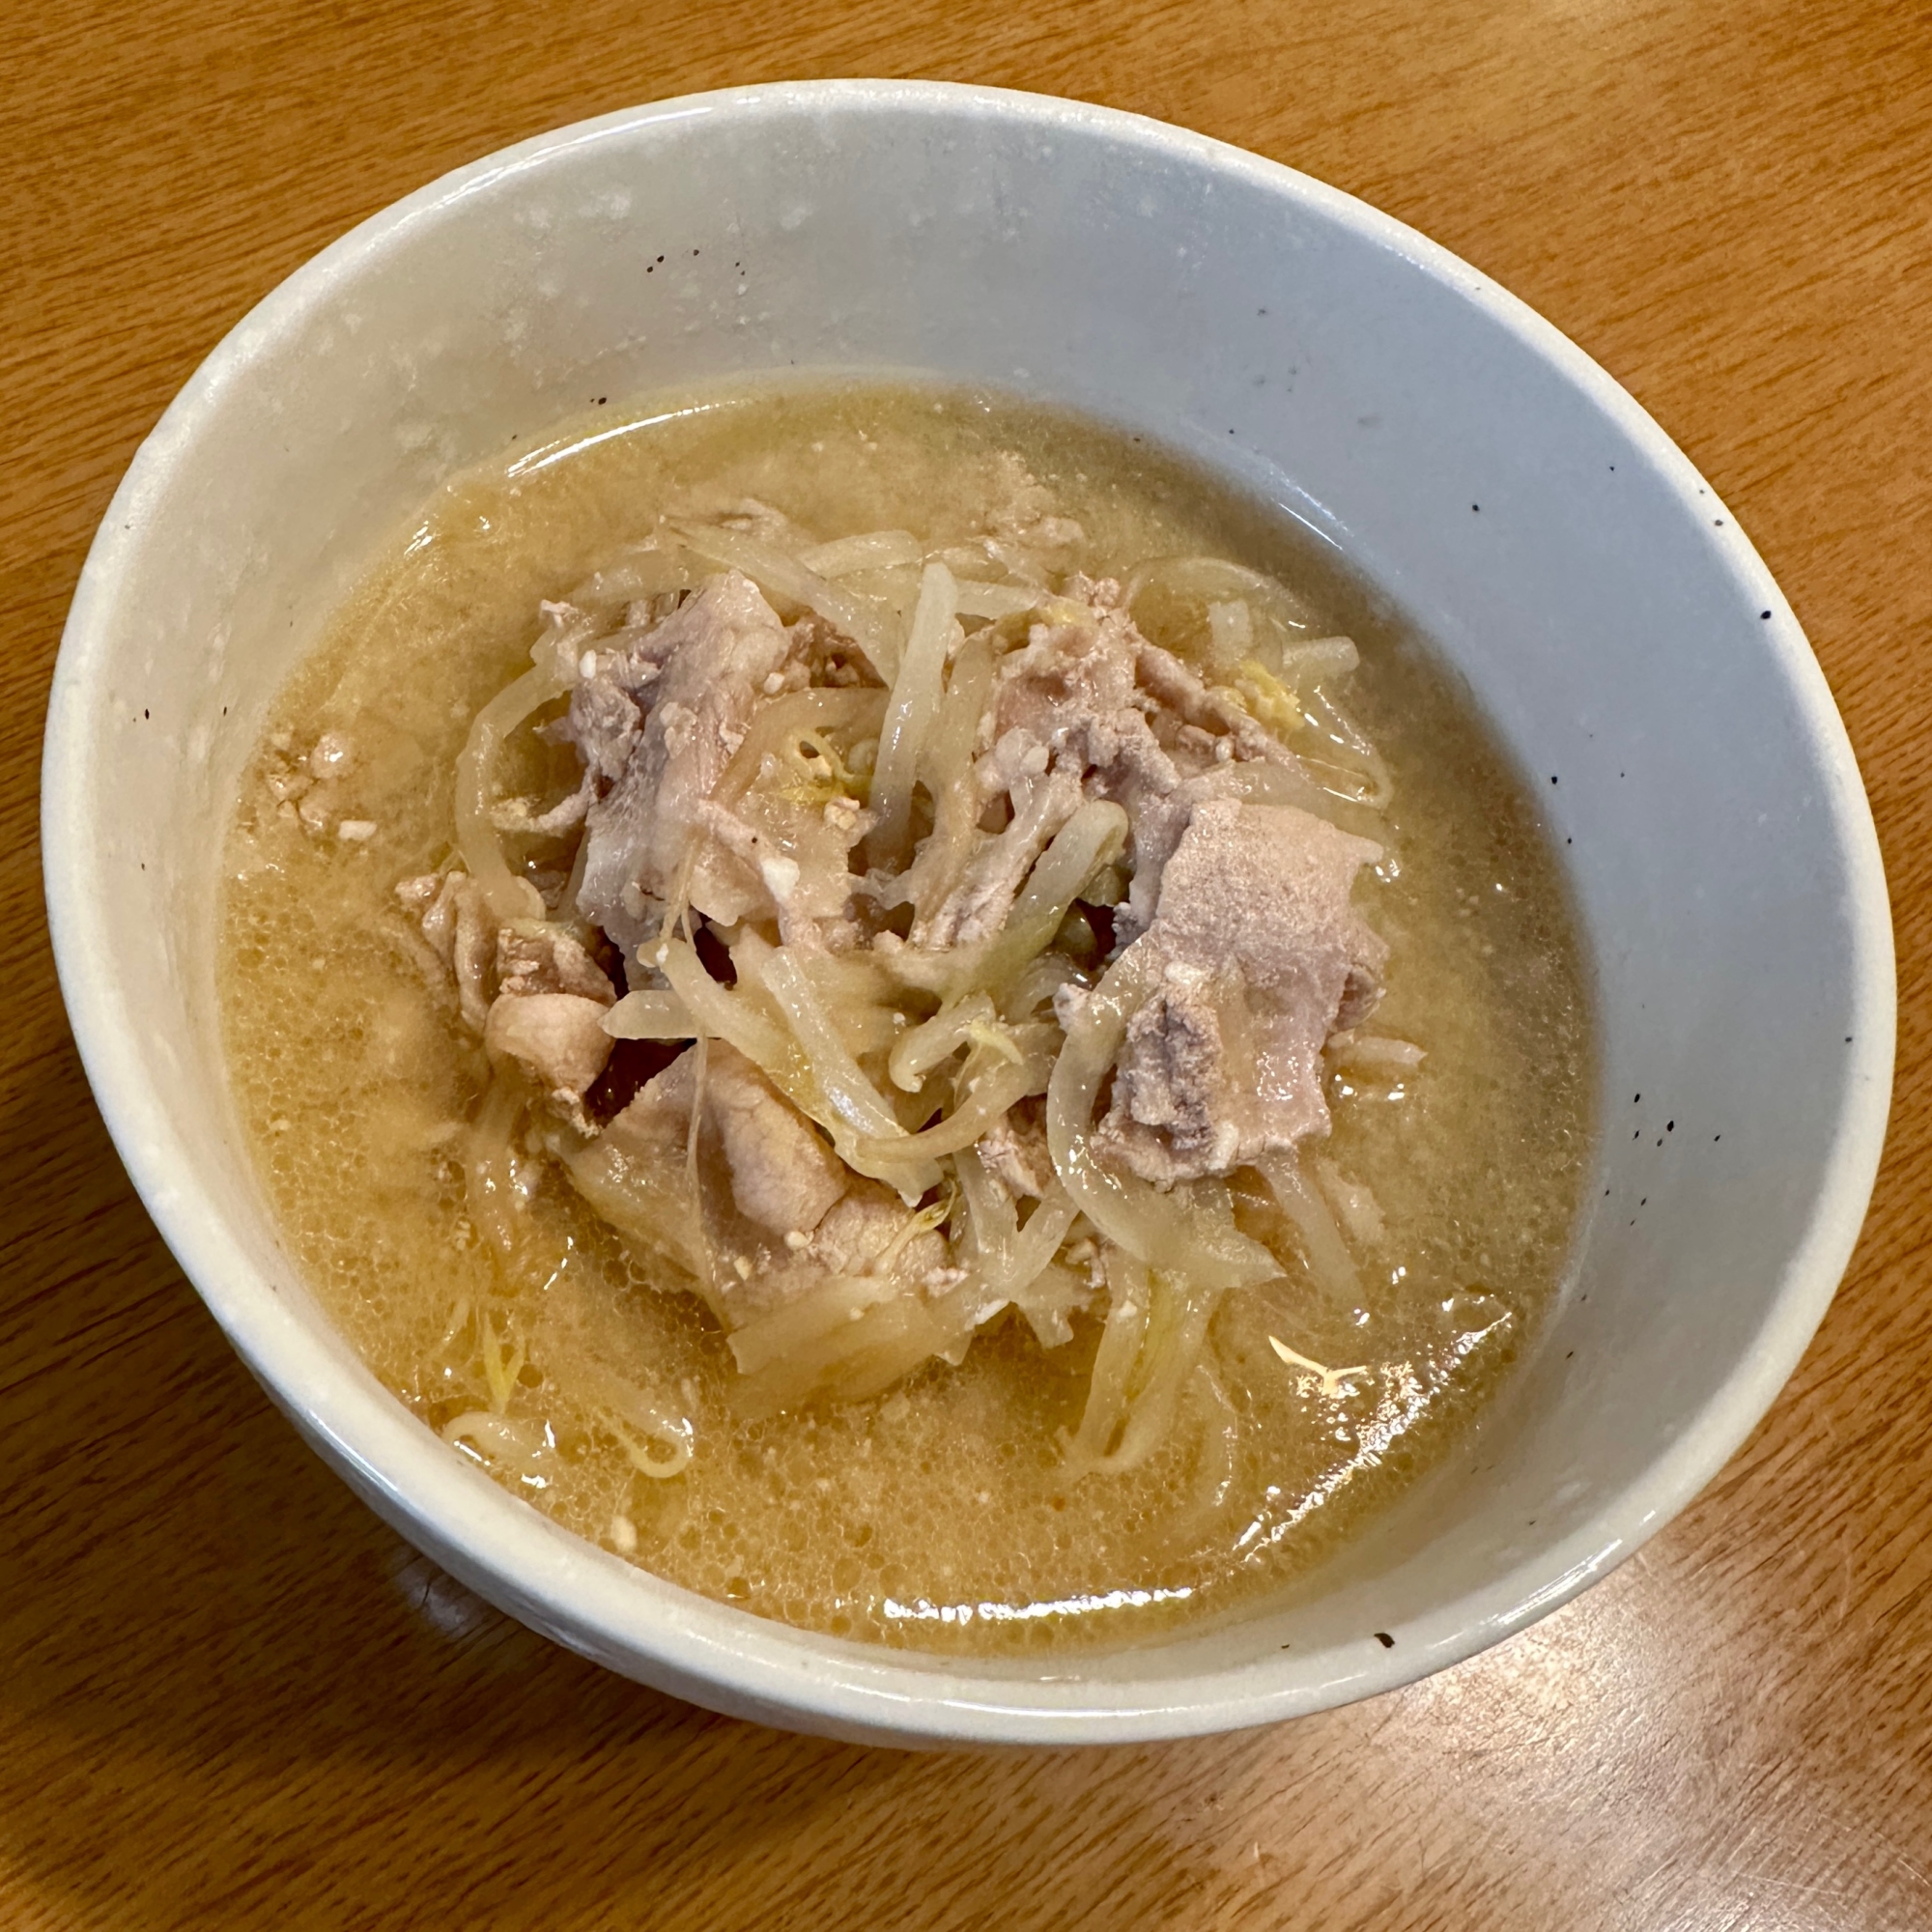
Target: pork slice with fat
[{"x": 1257, "y": 955}]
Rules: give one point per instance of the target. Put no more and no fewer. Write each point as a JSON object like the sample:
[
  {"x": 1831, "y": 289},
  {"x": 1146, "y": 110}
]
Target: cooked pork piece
[
  {"x": 978, "y": 907},
  {"x": 776, "y": 1212},
  {"x": 872, "y": 1231},
  {"x": 784, "y": 1177},
  {"x": 658, "y": 722},
  {"x": 557, "y": 1038},
  {"x": 550, "y": 995},
  {"x": 1090, "y": 709},
  {"x": 1202, "y": 719},
  {"x": 1261, "y": 956},
  {"x": 1074, "y": 692}
]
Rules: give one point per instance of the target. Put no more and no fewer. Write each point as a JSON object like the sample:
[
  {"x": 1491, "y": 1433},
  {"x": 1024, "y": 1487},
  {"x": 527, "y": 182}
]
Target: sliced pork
[
  {"x": 774, "y": 1213},
  {"x": 659, "y": 720},
  {"x": 1259, "y": 955},
  {"x": 557, "y": 1038},
  {"x": 1088, "y": 709}
]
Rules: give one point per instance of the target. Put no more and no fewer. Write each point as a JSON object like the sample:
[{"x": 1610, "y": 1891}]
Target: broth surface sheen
[{"x": 941, "y": 1515}]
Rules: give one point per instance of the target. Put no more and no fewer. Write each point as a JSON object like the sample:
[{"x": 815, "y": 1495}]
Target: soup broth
[{"x": 949, "y": 1509}]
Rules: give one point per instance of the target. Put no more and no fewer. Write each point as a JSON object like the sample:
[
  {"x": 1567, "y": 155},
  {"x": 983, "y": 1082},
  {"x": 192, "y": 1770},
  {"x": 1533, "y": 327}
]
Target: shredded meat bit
[
  {"x": 546, "y": 1010},
  {"x": 455, "y": 923},
  {"x": 1015, "y": 1153},
  {"x": 535, "y": 958}
]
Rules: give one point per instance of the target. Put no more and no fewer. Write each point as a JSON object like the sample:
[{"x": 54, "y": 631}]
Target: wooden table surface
[{"x": 229, "y": 1695}]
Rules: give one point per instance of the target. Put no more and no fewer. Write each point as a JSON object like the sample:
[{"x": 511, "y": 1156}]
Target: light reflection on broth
[{"x": 956, "y": 1507}]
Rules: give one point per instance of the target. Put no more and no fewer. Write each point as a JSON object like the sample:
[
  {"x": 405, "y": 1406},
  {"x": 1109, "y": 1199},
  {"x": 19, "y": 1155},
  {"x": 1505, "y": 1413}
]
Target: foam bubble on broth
[{"x": 941, "y": 1513}]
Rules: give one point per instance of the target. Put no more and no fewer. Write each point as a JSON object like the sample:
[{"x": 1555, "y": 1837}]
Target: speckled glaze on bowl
[{"x": 1600, "y": 601}]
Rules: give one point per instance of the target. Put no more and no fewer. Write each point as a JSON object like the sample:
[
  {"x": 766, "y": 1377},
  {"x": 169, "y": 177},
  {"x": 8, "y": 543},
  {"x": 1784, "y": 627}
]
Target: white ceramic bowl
[{"x": 1603, "y": 607}]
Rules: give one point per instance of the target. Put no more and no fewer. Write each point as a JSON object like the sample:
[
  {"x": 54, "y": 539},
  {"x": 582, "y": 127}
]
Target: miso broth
[{"x": 955, "y": 1507}]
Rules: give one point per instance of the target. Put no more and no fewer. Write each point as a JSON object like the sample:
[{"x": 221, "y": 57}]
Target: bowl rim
[{"x": 712, "y": 1653}]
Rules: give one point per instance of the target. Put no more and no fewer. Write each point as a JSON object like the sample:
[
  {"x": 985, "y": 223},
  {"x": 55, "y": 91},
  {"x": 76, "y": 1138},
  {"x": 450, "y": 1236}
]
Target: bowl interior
[{"x": 1608, "y": 616}]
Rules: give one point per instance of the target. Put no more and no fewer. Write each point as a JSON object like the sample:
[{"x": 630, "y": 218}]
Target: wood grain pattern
[{"x": 229, "y": 1696}]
